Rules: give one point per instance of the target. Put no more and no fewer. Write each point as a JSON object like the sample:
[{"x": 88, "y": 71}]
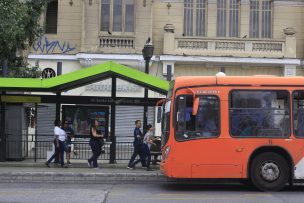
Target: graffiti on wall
[{"x": 46, "y": 46}]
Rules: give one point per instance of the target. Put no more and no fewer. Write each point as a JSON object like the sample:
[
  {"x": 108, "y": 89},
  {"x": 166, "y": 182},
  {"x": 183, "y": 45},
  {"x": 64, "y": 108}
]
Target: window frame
[
  {"x": 123, "y": 20},
  {"x": 228, "y": 24},
  {"x": 293, "y": 123},
  {"x": 260, "y": 22},
  {"x": 258, "y": 137},
  {"x": 194, "y": 27},
  {"x": 200, "y": 137}
]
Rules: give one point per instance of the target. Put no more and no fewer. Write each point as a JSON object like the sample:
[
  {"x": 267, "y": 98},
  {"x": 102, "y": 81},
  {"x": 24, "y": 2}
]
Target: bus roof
[{"x": 188, "y": 81}]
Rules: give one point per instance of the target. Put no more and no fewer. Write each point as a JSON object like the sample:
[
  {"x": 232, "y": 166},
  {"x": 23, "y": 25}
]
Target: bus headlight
[{"x": 166, "y": 153}]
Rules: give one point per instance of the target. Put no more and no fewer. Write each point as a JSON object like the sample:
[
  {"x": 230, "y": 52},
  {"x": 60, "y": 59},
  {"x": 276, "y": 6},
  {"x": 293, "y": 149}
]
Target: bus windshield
[{"x": 204, "y": 124}]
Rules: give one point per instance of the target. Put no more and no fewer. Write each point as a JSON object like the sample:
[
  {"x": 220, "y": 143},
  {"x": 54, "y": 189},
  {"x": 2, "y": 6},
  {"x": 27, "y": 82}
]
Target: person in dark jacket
[
  {"x": 138, "y": 146},
  {"x": 95, "y": 144}
]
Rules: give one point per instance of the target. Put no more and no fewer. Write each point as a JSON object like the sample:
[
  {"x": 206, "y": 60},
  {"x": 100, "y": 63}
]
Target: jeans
[
  {"x": 147, "y": 155},
  {"x": 61, "y": 152},
  {"x": 96, "y": 150},
  {"x": 138, "y": 150}
]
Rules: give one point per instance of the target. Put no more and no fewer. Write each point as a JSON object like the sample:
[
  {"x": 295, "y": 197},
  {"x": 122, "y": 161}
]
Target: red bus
[{"x": 235, "y": 128}]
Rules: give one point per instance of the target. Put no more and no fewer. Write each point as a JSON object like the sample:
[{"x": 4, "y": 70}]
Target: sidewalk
[{"x": 78, "y": 173}]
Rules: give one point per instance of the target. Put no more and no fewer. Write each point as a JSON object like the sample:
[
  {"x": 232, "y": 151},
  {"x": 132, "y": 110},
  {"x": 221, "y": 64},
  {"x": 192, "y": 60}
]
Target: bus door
[{"x": 200, "y": 152}]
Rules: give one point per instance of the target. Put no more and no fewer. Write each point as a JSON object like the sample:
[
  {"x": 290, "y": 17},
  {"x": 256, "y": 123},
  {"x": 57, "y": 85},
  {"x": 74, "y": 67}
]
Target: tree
[{"x": 19, "y": 28}]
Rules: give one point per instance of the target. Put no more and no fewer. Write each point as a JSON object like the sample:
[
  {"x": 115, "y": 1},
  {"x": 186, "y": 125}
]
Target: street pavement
[{"x": 145, "y": 193}]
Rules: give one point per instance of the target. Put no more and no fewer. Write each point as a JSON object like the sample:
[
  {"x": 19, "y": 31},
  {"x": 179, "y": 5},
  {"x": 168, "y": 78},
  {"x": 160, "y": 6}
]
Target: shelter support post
[
  {"x": 58, "y": 105},
  {"x": 113, "y": 114},
  {"x": 3, "y": 135},
  {"x": 36, "y": 129},
  {"x": 3, "y": 111}
]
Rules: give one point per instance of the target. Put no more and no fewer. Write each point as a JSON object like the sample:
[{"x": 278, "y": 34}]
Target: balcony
[
  {"x": 236, "y": 47},
  {"x": 117, "y": 44}
]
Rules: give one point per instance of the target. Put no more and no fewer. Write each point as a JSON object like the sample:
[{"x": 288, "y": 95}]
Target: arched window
[{"x": 51, "y": 17}]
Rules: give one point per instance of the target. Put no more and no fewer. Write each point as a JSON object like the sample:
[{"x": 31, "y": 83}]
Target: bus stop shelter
[{"x": 22, "y": 87}]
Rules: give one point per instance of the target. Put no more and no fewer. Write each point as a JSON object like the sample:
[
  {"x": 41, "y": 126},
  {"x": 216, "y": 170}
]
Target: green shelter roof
[{"x": 83, "y": 77}]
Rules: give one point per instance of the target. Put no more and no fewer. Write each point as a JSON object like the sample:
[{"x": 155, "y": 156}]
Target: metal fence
[{"x": 39, "y": 147}]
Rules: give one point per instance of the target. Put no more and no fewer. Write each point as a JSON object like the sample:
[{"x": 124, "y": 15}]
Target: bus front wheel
[{"x": 269, "y": 171}]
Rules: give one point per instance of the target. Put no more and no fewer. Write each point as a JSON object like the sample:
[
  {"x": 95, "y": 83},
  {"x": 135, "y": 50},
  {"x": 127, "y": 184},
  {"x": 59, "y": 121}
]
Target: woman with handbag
[{"x": 96, "y": 143}]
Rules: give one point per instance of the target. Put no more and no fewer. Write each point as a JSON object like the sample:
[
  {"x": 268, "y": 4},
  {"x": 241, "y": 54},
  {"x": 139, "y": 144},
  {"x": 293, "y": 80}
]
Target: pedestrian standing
[
  {"x": 96, "y": 143},
  {"x": 147, "y": 142},
  {"x": 70, "y": 134},
  {"x": 60, "y": 136},
  {"x": 138, "y": 147}
]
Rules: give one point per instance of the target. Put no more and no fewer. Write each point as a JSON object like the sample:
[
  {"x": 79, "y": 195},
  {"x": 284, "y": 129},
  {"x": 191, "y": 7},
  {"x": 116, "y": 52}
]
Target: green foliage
[
  {"x": 19, "y": 69},
  {"x": 19, "y": 28}
]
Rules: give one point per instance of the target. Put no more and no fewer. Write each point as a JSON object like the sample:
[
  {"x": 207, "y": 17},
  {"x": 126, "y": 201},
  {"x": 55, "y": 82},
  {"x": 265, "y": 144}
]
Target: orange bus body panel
[{"x": 224, "y": 156}]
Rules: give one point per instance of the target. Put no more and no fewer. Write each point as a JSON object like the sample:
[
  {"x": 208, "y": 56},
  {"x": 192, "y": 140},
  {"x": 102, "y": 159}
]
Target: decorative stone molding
[
  {"x": 289, "y": 31},
  {"x": 169, "y": 28}
]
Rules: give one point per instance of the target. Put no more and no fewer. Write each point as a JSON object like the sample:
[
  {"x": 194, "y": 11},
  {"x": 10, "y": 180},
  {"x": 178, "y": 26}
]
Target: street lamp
[{"x": 147, "y": 53}]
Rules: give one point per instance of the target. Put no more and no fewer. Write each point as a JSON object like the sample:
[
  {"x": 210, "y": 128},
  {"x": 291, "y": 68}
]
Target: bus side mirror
[{"x": 195, "y": 106}]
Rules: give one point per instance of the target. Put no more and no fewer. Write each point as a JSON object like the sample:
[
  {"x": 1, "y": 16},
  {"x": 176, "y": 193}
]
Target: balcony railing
[
  {"x": 233, "y": 47},
  {"x": 116, "y": 42},
  {"x": 238, "y": 47}
]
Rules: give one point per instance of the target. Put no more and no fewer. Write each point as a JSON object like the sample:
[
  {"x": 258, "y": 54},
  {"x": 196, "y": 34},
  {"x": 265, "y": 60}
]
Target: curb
[{"x": 81, "y": 178}]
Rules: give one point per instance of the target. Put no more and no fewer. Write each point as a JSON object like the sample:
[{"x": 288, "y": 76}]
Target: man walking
[
  {"x": 60, "y": 142},
  {"x": 138, "y": 148}
]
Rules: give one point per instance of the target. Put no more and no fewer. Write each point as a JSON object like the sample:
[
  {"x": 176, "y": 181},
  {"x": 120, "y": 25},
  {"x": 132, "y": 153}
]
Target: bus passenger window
[
  {"x": 259, "y": 113},
  {"x": 298, "y": 113},
  {"x": 204, "y": 124}
]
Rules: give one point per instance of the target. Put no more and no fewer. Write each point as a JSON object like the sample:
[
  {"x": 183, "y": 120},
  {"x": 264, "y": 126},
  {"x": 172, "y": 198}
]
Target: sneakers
[
  {"x": 150, "y": 169},
  {"x": 144, "y": 167},
  {"x": 69, "y": 163},
  {"x": 89, "y": 164},
  {"x": 47, "y": 164},
  {"x": 130, "y": 167}
]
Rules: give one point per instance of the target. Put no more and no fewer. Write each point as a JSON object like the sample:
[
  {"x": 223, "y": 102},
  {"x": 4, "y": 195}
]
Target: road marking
[
  {"x": 190, "y": 198},
  {"x": 259, "y": 195}
]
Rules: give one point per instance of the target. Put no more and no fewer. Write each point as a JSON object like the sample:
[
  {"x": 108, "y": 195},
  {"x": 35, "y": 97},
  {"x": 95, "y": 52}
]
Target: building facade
[{"x": 190, "y": 37}]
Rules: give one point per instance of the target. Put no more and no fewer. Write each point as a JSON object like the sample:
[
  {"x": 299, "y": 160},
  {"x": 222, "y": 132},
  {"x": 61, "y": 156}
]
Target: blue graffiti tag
[{"x": 46, "y": 46}]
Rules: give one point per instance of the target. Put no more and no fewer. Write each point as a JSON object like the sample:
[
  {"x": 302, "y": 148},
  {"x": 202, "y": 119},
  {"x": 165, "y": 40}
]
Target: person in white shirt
[
  {"x": 148, "y": 141},
  {"x": 60, "y": 137}
]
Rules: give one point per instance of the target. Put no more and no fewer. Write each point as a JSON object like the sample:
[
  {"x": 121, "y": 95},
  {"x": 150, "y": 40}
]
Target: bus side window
[
  {"x": 262, "y": 113},
  {"x": 298, "y": 113}
]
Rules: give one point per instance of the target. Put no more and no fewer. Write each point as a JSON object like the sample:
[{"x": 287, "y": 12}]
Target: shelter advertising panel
[{"x": 80, "y": 118}]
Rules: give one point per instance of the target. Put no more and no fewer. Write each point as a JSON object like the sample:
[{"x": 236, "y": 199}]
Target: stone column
[
  {"x": 291, "y": 43},
  {"x": 169, "y": 39}
]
